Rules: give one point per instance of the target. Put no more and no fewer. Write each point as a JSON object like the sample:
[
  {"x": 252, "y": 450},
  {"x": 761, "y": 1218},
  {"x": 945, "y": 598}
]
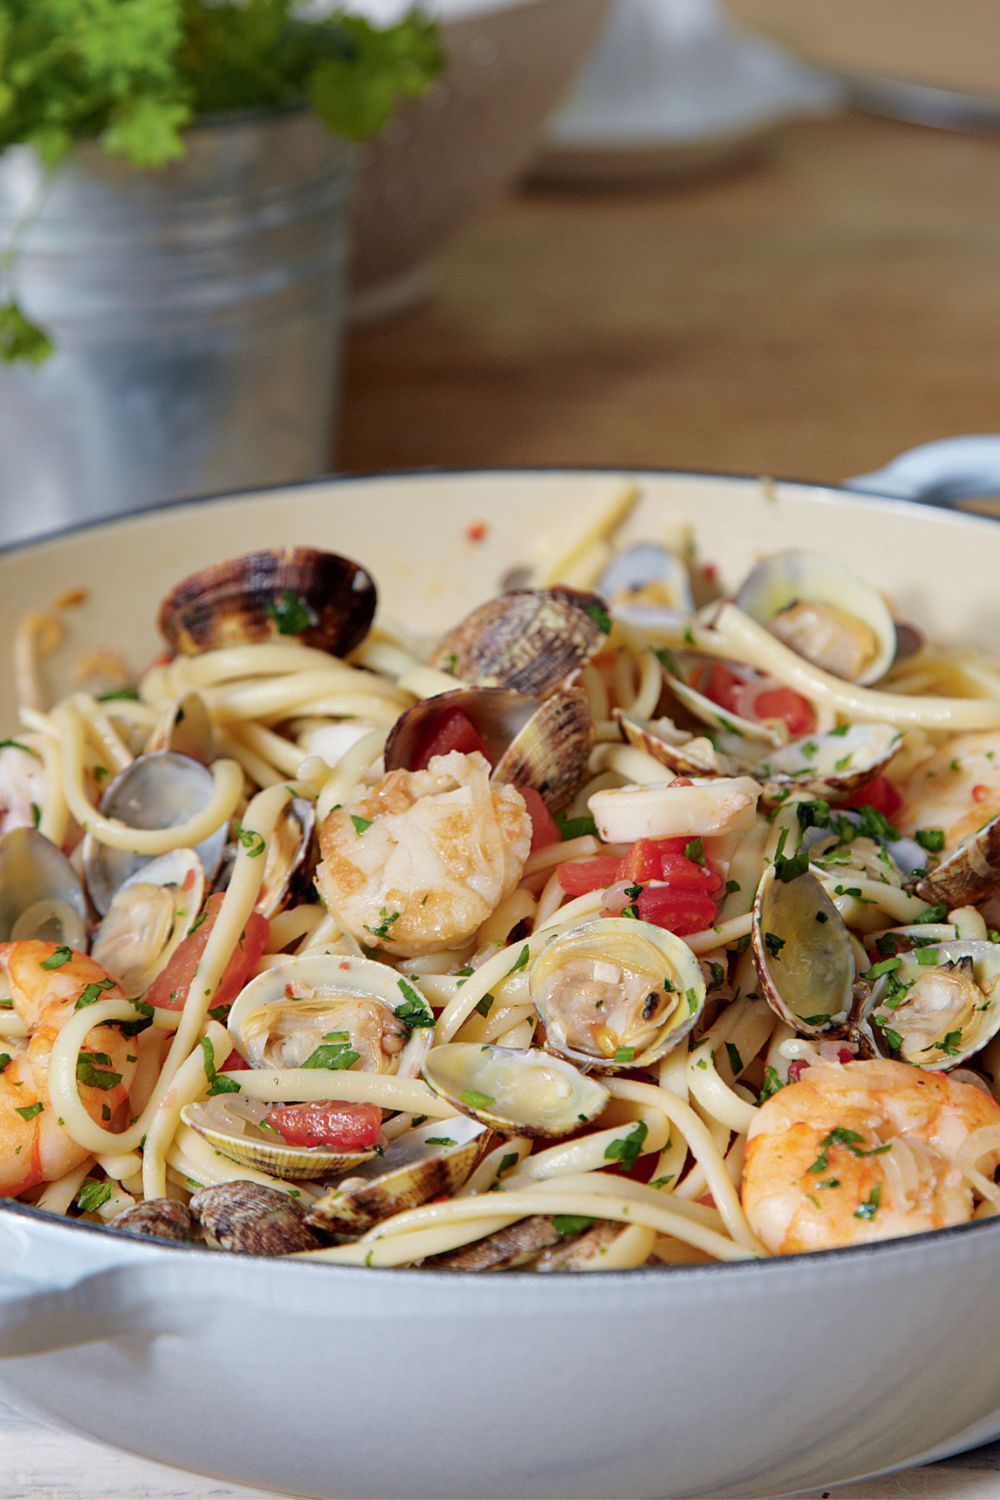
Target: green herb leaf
[
  {"x": 29, "y": 1111},
  {"x": 291, "y": 613},
  {"x": 485, "y": 1005},
  {"x": 253, "y": 842},
  {"x": 813, "y": 814},
  {"x": 732, "y": 886},
  {"x": 386, "y": 920},
  {"x": 5, "y": 1061},
  {"x": 928, "y": 958},
  {"x": 333, "y": 1055},
  {"x": 599, "y": 615},
  {"x": 522, "y": 961},
  {"x": 93, "y": 1077},
  {"x": 92, "y": 1196},
  {"x": 91, "y": 993},
  {"x": 661, "y": 1182},
  {"x": 574, "y": 828},
  {"x": 624, "y": 1055},
  {"x": 931, "y": 839},
  {"x": 57, "y": 958},
  {"x": 886, "y": 966},
  {"x": 869, "y": 1208},
  {"x": 773, "y": 1081},
  {"x": 627, "y": 1148},
  {"x": 21, "y": 339},
  {"x": 507, "y": 1161},
  {"x": 439, "y": 1140},
  {"x": 773, "y": 943},
  {"x": 693, "y": 851},
  {"x": 571, "y": 1223},
  {"x": 475, "y": 1100},
  {"x": 735, "y": 1060},
  {"x": 360, "y": 824},
  {"x": 414, "y": 1011}
]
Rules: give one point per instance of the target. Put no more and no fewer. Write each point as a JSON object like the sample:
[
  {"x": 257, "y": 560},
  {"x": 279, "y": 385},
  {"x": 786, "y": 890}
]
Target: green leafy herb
[
  {"x": 118, "y": 695},
  {"x": 790, "y": 867},
  {"x": 869, "y": 1208},
  {"x": 360, "y": 824},
  {"x": 291, "y": 613},
  {"x": 5, "y": 1061},
  {"x": 450, "y": 661},
  {"x": 91, "y": 993},
  {"x": 773, "y": 1081},
  {"x": 253, "y": 842},
  {"x": 691, "y": 996},
  {"x": 507, "y": 1161},
  {"x": 813, "y": 814},
  {"x": 216, "y": 1085},
  {"x": 818, "y": 1020},
  {"x": 624, "y": 1055},
  {"x": 809, "y": 748},
  {"x": 732, "y": 886},
  {"x": 844, "y": 761},
  {"x": 875, "y": 825},
  {"x": 93, "y": 1077},
  {"x": 485, "y": 1005},
  {"x": 17, "y": 745},
  {"x": 92, "y": 1196},
  {"x": 927, "y": 957},
  {"x": 665, "y": 1181},
  {"x": 522, "y": 961},
  {"x": 439, "y": 1140},
  {"x": 475, "y": 1100},
  {"x": 414, "y": 1011},
  {"x": 774, "y": 943},
  {"x": 574, "y": 828},
  {"x": 57, "y": 958},
  {"x": 828, "y": 1182},
  {"x": 386, "y": 919},
  {"x": 717, "y": 972},
  {"x": 949, "y": 1046},
  {"x": 333, "y": 1055},
  {"x": 29, "y": 1111},
  {"x": 627, "y": 1148},
  {"x": 886, "y": 966},
  {"x": 935, "y": 913},
  {"x": 931, "y": 839},
  {"x": 599, "y": 615},
  {"x": 36, "y": 815},
  {"x": 694, "y": 852},
  {"x": 735, "y": 1060},
  {"x": 893, "y": 1040},
  {"x": 571, "y": 1223}
]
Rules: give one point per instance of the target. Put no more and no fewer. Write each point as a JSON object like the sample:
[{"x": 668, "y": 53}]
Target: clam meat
[
  {"x": 150, "y": 915},
  {"x": 802, "y": 952},
  {"x": 938, "y": 1005},
  {"x": 514, "y": 1090},
  {"x": 241, "y": 1130}
]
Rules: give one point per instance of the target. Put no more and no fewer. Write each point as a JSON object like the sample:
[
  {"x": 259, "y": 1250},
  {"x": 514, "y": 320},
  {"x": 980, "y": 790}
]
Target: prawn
[
  {"x": 22, "y": 785},
  {"x": 956, "y": 790},
  {"x": 419, "y": 861},
  {"x": 46, "y": 981},
  {"x": 864, "y": 1151}
]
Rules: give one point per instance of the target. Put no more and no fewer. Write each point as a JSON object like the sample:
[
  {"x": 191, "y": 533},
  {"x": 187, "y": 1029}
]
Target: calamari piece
[
  {"x": 709, "y": 806},
  {"x": 418, "y": 863}
]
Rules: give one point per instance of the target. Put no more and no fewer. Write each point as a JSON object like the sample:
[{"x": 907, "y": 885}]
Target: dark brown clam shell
[
  {"x": 968, "y": 873},
  {"x": 252, "y": 1219},
  {"x": 158, "y": 1219},
  {"x": 543, "y": 745},
  {"x": 517, "y": 1245},
  {"x": 531, "y": 640},
  {"x": 295, "y": 593}
]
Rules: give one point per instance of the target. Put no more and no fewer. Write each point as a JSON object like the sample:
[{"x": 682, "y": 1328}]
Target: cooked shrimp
[
  {"x": 420, "y": 861},
  {"x": 34, "y": 1145},
  {"x": 862, "y": 1151},
  {"x": 22, "y": 785},
  {"x": 957, "y": 790}
]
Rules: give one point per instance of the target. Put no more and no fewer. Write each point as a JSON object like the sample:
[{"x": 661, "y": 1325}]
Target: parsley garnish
[
  {"x": 927, "y": 957},
  {"x": 386, "y": 920},
  {"x": 931, "y": 839},
  {"x": 694, "y": 852},
  {"x": 791, "y": 867},
  {"x": 950, "y": 1045},
  {"x": 93, "y": 1077},
  {"x": 439, "y": 1140},
  {"x": 335, "y": 1056},
  {"x": 522, "y": 961},
  {"x": 5, "y": 1061},
  {"x": 511, "y": 1159},
  {"x": 773, "y": 1081},
  {"x": 935, "y": 913},
  {"x": 893, "y": 1040},
  {"x": 571, "y": 1223},
  {"x": 627, "y": 1148},
  {"x": 476, "y": 1100},
  {"x": 92, "y": 1196},
  {"x": 361, "y": 825},
  {"x": 886, "y": 966},
  {"x": 574, "y": 828},
  {"x": 252, "y": 842},
  {"x": 774, "y": 943},
  {"x": 17, "y": 745},
  {"x": 828, "y": 1182},
  {"x": 56, "y": 959},
  {"x": 732, "y": 886},
  {"x": 869, "y": 1208},
  {"x": 661, "y": 1182},
  {"x": 91, "y": 993},
  {"x": 291, "y": 613},
  {"x": 36, "y": 815},
  {"x": 735, "y": 1060},
  {"x": 813, "y": 814},
  {"x": 485, "y": 1005},
  {"x": 414, "y": 1011},
  {"x": 119, "y": 695},
  {"x": 216, "y": 1085},
  {"x": 623, "y": 1055},
  {"x": 691, "y": 996},
  {"x": 817, "y": 1020},
  {"x": 599, "y": 615},
  {"x": 29, "y": 1111}
]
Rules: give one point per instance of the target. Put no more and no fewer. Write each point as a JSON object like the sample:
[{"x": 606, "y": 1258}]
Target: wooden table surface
[{"x": 811, "y": 315}]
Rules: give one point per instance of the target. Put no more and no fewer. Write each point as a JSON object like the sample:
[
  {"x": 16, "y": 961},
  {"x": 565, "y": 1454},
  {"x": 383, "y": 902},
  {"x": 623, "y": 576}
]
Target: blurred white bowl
[{"x": 444, "y": 156}]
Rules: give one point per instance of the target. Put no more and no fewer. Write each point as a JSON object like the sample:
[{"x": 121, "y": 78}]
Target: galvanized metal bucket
[{"x": 196, "y": 313}]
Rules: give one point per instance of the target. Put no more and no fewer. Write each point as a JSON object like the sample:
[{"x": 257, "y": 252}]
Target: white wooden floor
[{"x": 38, "y": 1464}]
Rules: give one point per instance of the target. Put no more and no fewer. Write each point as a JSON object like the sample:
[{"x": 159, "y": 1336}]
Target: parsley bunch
[{"x": 133, "y": 74}]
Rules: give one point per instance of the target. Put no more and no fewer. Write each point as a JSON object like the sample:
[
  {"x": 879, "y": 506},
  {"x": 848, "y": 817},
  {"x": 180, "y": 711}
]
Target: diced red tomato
[
  {"x": 543, "y": 829},
  {"x": 796, "y": 1069},
  {"x": 234, "y": 1063},
  {"x": 721, "y": 685},
  {"x": 980, "y": 793},
  {"x": 169, "y": 989},
  {"x": 332, "y": 1123},
  {"x": 787, "y": 705},
  {"x": 678, "y": 910},
  {"x": 642, "y": 862},
  {"x": 879, "y": 794},
  {"x": 665, "y": 859},
  {"x": 579, "y": 876},
  {"x": 451, "y": 729}
]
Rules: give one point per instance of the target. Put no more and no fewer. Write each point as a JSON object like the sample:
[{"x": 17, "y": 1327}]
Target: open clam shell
[
  {"x": 645, "y": 584},
  {"x": 545, "y": 745},
  {"x": 616, "y": 992},
  {"x": 288, "y": 853},
  {"x": 823, "y": 610},
  {"x": 352, "y": 1011},
  {"x": 40, "y": 892},
  {"x": 297, "y": 593},
  {"x": 803, "y": 954},
  {"x": 684, "y": 754},
  {"x": 150, "y": 915},
  {"x": 968, "y": 872},
  {"x": 237, "y": 1127},
  {"x": 531, "y": 640},
  {"x": 185, "y": 726},
  {"x": 742, "y": 735},
  {"x": 937, "y": 1006},
  {"x": 830, "y": 765},
  {"x": 433, "y": 1159},
  {"x": 514, "y": 1090},
  {"x": 158, "y": 790}
]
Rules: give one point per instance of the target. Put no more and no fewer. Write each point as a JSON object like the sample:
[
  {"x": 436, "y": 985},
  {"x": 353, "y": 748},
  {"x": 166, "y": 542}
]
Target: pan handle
[
  {"x": 939, "y": 473},
  {"x": 124, "y": 1299}
]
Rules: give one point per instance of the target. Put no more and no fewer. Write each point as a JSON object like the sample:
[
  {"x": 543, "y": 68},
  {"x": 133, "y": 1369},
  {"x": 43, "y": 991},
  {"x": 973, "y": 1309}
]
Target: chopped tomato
[
  {"x": 332, "y": 1123},
  {"x": 879, "y": 794},
  {"x": 642, "y": 862},
  {"x": 666, "y": 860},
  {"x": 980, "y": 792},
  {"x": 678, "y": 910},
  {"x": 234, "y": 1063},
  {"x": 579, "y": 876},
  {"x": 451, "y": 729},
  {"x": 721, "y": 685},
  {"x": 787, "y": 705},
  {"x": 169, "y": 989},
  {"x": 543, "y": 829}
]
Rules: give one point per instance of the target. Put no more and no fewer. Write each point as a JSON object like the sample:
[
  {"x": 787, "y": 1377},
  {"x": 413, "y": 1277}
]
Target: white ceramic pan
[{"x": 749, "y": 1379}]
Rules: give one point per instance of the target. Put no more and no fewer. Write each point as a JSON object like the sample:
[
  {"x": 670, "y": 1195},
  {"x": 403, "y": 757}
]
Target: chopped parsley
[
  {"x": 662, "y": 1182},
  {"x": 57, "y": 958},
  {"x": 574, "y": 828},
  {"x": 386, "y": 919},
  {"x": 17, "y": 745},
  {"x": 893, "y": 1040},
  {"x": 627, "y": 1148},
  {"x": 91, "y": 993},
  {"x": 691, "y": 996},
  {"x": 885, "y": 966},
  {"x": 735, "y": 1060},
  {"x": 216, "y": 1085},
  {"x": 773, "y": 1081},
  {"x": 927, "y": 957},
  {"x": 119, "y": 695},
  {"x": 485, "y": 1005},
  {"x": 571, "y": 1223},
  {"x": 732, "y": 886},
  {"x": 813, "y": 814},
  {"x": 414, "y": 1011},
  {"x": 876, "y": 825},
  {"x": 935, "y": 913},
  {"x": 476, "y": 1100},
  {"x": 774, "y": 943},
  {"x": 92, "y": 1196},
  {"x": 599, "y": 615},
  {"x": 694, "y": 852},
  {"x": 291, "y": 613},
  {"x": 623, "y": 1055},
  {"x": 869, "y": 1208},
  {"x": 522, "y": 961},
  {"x": 439, "y": 1140},
  {"x": 94, "y": 1077},
  {"x": 29, "y": 1111},
  {"x": 828, "y": 1182},
  {"x": 36, "y": 815},
  {"x": 361, "y": 825},
  {"x": 335, "y": 1056},
  {"x": 931, "y": 839},
  {"x": 791, "y": 867},
  {"x": 252, "y": 842},
  {"x": 818, "y": 1020},
  {"x": 950, "y": 1046},
  {"x": 511, "y": 1159},
  {"x": 5, "y": 1061}
]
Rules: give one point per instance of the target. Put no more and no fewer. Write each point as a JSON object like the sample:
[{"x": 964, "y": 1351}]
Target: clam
[
  {"x": 646, "y": 585},
  {"x": 40, "y": 892},
  {"x": 185, "y": 726},
  {"x": 238, "y": 1128},
  {"x": 515, "y": 1090},
  {"x": 824, "y": 611},
  {"x": 518, "y": 1245},
  {"x": 616, "y": 992},
  {"x": 531, "y": 640},
  {"x": 158, "y": 1219},
  {"x": 682, "y": 670},
  {"x": 150, "y": 915},
  {"x": 158, "y": 790},
  {"x": 288, "y": 851},
  {"x": 252, "y": 1219},
  {"x": 315, "y": 598},
  {"x": 684, "y": 754},
  {"x": 802, "y": 951},
  {"x": 937, "y": 1005},
  {"x": 544, "y": 744},
  {"x": 968, "y": 872},
  {"x": 347, "y": 1010},
  {"x": 433, "y": 1159},
  {"x": 829, "y": 765}
]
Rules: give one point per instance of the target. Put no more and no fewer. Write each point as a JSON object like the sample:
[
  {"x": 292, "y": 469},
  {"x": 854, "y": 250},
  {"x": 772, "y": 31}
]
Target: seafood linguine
[{"x": 630, "y": 920}]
